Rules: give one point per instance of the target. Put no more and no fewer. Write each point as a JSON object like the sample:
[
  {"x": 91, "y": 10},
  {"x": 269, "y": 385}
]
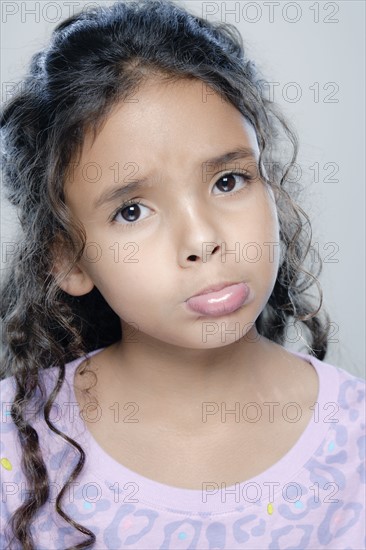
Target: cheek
[
  {"x": 129, "y": 278},
  {"x": 261, "y": 250},
  {"x": 258, "y": 231},
  {"x": 270, "y": 239},
  {"x": 269, "y": 223}
]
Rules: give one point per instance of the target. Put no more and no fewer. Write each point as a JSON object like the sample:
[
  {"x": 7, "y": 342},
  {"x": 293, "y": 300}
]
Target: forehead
[
  {"x": 167, "y": 124},
  {"x": 159, "y": 108}
]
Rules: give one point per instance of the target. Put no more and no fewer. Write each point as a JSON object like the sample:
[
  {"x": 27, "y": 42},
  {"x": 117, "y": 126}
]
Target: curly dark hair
[{"x": 109, "y": 52}]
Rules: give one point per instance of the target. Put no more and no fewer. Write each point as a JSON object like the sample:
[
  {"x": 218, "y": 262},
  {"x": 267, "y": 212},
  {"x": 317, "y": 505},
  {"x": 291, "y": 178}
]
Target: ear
[{"x": 76, "y": 282}]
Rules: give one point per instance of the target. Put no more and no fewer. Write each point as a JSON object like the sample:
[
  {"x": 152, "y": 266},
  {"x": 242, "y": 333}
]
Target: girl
[{"x": 150, "y": 401}]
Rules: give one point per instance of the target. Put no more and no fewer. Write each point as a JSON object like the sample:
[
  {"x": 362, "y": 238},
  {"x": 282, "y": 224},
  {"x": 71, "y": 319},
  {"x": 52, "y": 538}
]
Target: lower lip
[{"x": 222, "y": 302}]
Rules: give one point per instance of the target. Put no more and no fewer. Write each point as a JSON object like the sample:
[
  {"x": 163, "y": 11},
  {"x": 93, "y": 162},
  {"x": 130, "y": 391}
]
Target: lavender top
[{"x": 313, "y": 497}]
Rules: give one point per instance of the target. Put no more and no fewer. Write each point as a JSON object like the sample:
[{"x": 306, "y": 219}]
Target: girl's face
[{"x": 141, "y": 257}]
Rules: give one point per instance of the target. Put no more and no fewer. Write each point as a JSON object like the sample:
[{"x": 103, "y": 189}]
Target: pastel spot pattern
[
  {"x": 324, "y": 505},
  {"x": 5, "y": 463}
]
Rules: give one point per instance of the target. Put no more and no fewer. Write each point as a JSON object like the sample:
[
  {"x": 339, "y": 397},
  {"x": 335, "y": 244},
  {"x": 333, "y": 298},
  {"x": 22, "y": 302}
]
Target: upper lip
[{"x": 214, "y": 288}]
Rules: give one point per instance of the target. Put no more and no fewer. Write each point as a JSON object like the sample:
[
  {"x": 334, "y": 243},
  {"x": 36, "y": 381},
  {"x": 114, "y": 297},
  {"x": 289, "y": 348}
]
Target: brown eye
[
  {"x": 130, "y": 212},
  {"x": 228, "y": 182}
]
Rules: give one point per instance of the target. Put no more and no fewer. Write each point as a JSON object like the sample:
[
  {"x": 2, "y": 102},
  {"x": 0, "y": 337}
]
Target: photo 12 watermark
[
  {"x": 267, "y": 411},
  {"x": 252, "y": 492},
  {"x": 70, "y": 412},
  {"x": 272, "y": 12},
  {"x": 294, "y": 332},
  {"x": 87, "y": 494}
]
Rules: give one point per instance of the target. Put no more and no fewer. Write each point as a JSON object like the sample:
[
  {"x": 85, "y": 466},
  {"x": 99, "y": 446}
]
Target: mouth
[{"x": 220, "y": 299}]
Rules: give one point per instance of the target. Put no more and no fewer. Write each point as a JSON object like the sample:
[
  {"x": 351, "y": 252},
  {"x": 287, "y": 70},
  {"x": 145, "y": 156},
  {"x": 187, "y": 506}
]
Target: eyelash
[{"x": 247, "y": 177}]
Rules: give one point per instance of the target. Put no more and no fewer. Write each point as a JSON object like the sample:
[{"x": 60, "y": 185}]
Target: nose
[{"x": 197, "y": 236}]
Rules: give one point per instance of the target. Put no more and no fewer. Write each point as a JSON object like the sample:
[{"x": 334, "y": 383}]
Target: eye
[
  {"x": 231, "y": 179},
  {"x": 130, "y": 212}
]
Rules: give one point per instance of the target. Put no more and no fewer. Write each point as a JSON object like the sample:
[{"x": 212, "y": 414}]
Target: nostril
[{"x": 192, "y": 258}]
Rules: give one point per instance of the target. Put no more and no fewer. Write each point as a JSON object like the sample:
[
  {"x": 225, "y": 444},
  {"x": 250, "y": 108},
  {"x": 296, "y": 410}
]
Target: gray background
[{"x": 314, "y": 54}]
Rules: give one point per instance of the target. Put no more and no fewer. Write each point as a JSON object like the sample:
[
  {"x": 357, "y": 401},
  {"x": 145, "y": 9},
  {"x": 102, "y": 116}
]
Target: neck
[{"x": 160, "y": 377}]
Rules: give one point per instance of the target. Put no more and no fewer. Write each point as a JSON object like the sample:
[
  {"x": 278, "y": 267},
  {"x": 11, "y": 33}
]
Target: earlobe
[{"x": 76, "y": 282}]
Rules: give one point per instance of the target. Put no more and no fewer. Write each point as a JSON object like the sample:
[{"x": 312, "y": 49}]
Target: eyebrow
[{"x": 111, "y": 195}]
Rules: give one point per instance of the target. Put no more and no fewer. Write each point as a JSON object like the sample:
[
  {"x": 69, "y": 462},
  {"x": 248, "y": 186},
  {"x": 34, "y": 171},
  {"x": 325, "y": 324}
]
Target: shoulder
[
  {"x": 350, "y": 401},
  {"x": 343, "y": 409},
  {"x": 340, "y": 407},
  {"x": 52, "y": 446},
  {"x": 7, "y": 388},
  {"x": 7, "y": 393},
  {"x": 346, "y": 391},
  {"x": 337, "y": 463},
  {"x": 48, "y": 379},
  {"x": 350, "y": 388}
]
